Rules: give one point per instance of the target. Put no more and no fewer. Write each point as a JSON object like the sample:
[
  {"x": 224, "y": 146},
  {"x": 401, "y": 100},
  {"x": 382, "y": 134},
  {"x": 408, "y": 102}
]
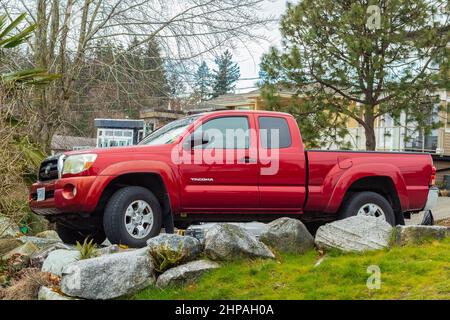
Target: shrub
[
  {"x": 20, "y": 162},
  {"x": 165, "y": 258},
  {"x": 88, "y": 249},
  {"x": 25, "y": 286}
]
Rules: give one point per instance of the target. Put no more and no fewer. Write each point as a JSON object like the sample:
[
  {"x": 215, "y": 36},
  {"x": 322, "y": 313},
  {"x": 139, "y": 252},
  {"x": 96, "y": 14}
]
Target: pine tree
[
  {"x": 155, "y": 69},
  {"x": 203, "y": 82},
  {"x": 361, "y": 59},
  {"x": 226, "y": 74}
]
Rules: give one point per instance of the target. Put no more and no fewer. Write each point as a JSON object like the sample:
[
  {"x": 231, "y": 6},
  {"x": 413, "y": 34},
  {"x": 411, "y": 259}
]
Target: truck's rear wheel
[
  {"x": 72, "y": 236},
  {"x": 132, "y": 216},
  {"x": 368, "y": 203}
]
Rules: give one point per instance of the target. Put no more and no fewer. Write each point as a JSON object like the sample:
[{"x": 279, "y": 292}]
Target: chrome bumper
[{"x": 433, "y": 194}]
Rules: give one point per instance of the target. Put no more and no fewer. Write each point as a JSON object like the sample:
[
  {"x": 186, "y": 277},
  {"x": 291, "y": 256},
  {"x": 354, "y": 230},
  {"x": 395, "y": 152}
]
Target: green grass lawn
[{"x": 414, "y": 272}]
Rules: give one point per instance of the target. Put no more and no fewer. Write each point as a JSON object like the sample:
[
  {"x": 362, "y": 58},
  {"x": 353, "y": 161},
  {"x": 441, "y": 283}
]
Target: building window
[
  {"x": 149, "y": 127},
  {"x": 114, "y": 138},
  {"x": 448, "y": 115},
  {"x": 76, "y": 148}
]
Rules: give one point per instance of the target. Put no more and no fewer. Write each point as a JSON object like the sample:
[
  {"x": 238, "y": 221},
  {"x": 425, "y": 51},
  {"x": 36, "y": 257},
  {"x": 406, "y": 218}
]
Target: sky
[{"x": 248, "y": 59}]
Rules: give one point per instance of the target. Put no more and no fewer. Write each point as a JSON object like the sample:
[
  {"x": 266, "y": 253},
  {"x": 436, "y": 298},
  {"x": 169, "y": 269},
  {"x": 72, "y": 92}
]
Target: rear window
[{"x": 271, "y": 128}]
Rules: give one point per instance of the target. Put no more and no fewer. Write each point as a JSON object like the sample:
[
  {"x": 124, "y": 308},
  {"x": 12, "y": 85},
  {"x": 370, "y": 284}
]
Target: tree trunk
[{"x": 369, "y": 121}]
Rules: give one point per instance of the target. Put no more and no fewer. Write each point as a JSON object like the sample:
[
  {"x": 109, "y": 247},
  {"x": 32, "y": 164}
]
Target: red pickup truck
[{"x": 223, "y": 166}]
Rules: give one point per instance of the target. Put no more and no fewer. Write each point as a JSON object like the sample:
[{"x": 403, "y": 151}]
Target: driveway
[{"x": 441, "y": 211}]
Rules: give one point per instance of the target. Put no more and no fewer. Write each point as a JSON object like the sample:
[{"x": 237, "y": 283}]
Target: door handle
[{"x": 247, "y": 159}]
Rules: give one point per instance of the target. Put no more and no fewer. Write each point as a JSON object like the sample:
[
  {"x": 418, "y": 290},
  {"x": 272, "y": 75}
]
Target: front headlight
[{"x": 78, "y": 163}]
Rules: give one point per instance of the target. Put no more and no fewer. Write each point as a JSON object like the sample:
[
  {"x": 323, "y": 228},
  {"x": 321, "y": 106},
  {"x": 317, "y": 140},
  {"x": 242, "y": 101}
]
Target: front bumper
[
  {"x": 58, "y": 201},
  {"x": 432, "y": 198}
]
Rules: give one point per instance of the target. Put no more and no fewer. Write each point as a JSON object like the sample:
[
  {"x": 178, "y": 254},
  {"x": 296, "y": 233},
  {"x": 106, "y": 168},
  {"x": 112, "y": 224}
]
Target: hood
[{"x": 116, "y": 150}]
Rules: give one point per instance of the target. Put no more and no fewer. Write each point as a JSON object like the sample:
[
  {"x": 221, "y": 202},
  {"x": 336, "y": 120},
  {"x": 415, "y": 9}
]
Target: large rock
[
  {"x": 109, "y": 276},
  {"x": 25, "y": 250},
  {"x": 190, "y": 246},
  {"x": 358, "y": 233},
  {"x": 114, "y": 248},
  {"x": 416, "y": 234},
  {"x": 49, "y": 234},
  {"x": 37, "y": 258},
  {"x": 45, "y": 293},
  {"x": 287, "y": 235},
  {"x": 57, "y": 260},
  {"x": 226, "y": 241},
  {"x": 9, "y": 244},
  {"x": 8, "y": 228},
  {"x": 39, "y": 242},
  {"x": 198, "y": 231},
  {"x": 186, "y": 273}
]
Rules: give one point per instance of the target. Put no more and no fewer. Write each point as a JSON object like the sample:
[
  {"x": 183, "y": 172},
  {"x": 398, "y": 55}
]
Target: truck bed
[{"x": 330, "y": 171}]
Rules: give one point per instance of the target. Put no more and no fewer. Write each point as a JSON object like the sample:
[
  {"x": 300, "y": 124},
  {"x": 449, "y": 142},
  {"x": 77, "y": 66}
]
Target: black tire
[
  {"x": 358, "y": 200},
  {"x": 72, "y": 236},
  {"x": 113, "y": 218}
]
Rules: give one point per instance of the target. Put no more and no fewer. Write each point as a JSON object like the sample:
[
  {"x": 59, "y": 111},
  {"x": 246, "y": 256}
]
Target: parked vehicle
[{"x": 181, "y": 174}]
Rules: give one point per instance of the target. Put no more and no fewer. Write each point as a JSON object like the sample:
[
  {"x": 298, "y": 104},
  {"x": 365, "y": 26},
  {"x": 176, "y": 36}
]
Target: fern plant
[
  {"x": 165, "y": 258},
  {"x": 10, "y": 39},
  {"x": 88, "y": 249}
]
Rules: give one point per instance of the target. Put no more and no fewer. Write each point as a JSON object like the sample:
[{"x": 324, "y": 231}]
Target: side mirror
[{"x": 197, "y": 140}]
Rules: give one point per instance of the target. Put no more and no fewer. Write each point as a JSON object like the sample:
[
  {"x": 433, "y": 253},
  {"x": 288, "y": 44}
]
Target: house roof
[
  {"x": 119, "y": 123},
  {"x": 60, "y": 142},
  {"x": 159, "y": 113},
  {"x": 237, "y": 99}
]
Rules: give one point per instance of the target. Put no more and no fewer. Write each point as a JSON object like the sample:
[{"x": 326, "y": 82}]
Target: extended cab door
[
  {"x": 282, "y": 182},
  {"x": 226, "y": 176}
]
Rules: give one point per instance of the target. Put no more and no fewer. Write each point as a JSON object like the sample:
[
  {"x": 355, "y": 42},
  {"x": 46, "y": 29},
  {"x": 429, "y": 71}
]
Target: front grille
[{"x": 49, "y": 169}]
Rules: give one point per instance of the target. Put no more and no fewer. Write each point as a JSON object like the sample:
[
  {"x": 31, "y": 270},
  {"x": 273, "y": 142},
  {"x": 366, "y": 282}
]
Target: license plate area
[{"x": 40, "y": 194}]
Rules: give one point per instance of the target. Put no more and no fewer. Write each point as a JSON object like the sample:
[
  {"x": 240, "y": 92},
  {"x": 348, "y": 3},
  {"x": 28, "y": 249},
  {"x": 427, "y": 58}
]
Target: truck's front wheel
[
  {"x": 132, "y": 216},
  {"x": 368, "y": 203}
]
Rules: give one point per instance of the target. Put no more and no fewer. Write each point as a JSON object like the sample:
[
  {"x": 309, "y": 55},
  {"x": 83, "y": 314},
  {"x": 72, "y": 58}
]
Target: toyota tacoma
[{"x": 223, "y": 166}]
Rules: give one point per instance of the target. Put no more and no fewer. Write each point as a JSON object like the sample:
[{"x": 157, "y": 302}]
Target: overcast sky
[{"x": 248, "y": 59}]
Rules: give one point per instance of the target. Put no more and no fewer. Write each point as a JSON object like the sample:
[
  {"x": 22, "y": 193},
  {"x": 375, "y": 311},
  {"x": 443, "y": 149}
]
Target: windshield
[{"x": 168, "y": 133}]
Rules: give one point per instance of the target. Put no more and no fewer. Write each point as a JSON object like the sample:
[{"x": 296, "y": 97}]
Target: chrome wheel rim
[
  {"x": 371, "y": 210},
  {"x": 138, "y": 219}
]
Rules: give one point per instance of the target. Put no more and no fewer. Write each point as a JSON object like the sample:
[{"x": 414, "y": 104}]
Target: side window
[
  {"x": 271, "y": 128},
  {"x": 226, "y": 133}
]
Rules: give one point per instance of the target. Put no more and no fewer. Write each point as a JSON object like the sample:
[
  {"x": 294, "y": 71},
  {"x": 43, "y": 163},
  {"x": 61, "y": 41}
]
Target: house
[
  {"x": 241, "y": 101},
  {"x": 61, "y": 143},
  {"x": 403, "y": 136},
  {"x": 157, "y": 117},
  {"x": 118, "y": 132}
]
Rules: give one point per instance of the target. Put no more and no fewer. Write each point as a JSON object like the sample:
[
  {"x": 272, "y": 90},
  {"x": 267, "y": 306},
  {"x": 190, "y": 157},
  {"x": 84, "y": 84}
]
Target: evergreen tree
[
  {"x": 155, "y": 69},
  {"x": 203, "y": 82},
  {"x": 226, "y": 74},
  {"x": 361, "y": 59}
]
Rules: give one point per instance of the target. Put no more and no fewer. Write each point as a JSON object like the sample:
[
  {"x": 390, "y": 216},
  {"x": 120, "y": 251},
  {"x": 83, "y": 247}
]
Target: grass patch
[{"x": 411, "y": 272}]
